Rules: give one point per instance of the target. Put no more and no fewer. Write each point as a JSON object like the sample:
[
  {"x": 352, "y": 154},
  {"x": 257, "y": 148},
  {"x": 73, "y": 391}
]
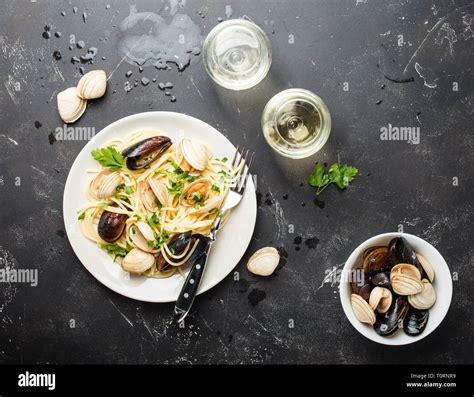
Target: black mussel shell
[
  {"x": 400, "y": 251},
  {"x": 381, "y": 279},
  {"x": 415, "y": 321},
  {"x": 375, "y": 259},
  {"x": 203, "y": 240},
  {"x": 362, "y": 287},
  {"x": 176, "y": 245},
  {"x": 111, "y": 226},
  {"x": 388, "y": 323},
  {"x": 146, "y": 151}
]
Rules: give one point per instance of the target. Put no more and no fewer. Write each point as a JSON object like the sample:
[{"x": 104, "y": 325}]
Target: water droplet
[
  {"x": 75, "y": 60},
  {"x": 161, "y": 86},
  {"x": 70, "y": 47},
  {"x": 46, "y": 35},
  {"x": 107, "y": 6},
  {"x": 80, "y": 44},
  {"x": 38, "y": 124},
  {"x": 140, "y": 69},
  {"x": 47, "y": 28},
  {"x": 84, "y": 16},
  {"x": 58, "y": 34},
  {"x": 63, "y": 13},
  {"x": 379, "y": 102},
  {"x": 173, "y": 98},
  {"x": 135, "y": 84},
  {"x": 167, "y": 93},
  {"x": 74, "y": 9},
  {"x": 145, "y": 81},
  {"x": 57, "y": 55},
  {"x": 220, "y": 19},
  {"x": 153, "y": 79},
  {"x": 89, "y": 57},
  {"x": 128, "y": 74},
  {"x": 103, "y": 58},
  {"x": 82, "y": 70}
]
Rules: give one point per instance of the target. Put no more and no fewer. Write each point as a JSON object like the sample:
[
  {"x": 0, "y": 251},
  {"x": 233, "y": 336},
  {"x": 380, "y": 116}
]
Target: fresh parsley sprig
[
  {"x": 108, "y": 157},
  {"x": 339, "y": 174}
]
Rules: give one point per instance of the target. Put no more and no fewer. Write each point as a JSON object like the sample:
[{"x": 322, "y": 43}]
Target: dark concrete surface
[{"x": 69, "y": 317}]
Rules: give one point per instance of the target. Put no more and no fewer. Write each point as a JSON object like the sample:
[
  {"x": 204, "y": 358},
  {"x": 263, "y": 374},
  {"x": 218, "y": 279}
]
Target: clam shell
[
  {"x": 206, "y": 186},
  {"x": 424, "y": 299},
  {"x": 70, "y": 105},
  {"x": 141, "y": 235},
  {"x": 403, "y": 284},
  {"x": 160, "y": 191},
  {"x": 426, "y": 267},
  {"x": 105, "y": 183},
  {"x": 195, "y": 153},
  {"x": 137, "y": 261},
  {"x": 380, "y": 299},
  {"x": 362, "y": 310},
  {"x": 264, "y": 261},
  {"x": 148, "y": 197},
  {"x": 92, "y": 85},
  {"x": 405, "y": 269}
]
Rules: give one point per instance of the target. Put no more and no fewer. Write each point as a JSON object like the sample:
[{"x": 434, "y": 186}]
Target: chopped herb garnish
[
  {"x": 213, "y": 211},
  {"x": 153, "y": 220},
  {"x": 82, "y": 216},
  {"x": 146, "y": 167},
  {"x": 223, "y": 159},
  {"x": 215, "y": 188},
  {"x": 116, "y": 250},
  {"x": 139, "y": 218},
  {"x": 108, "y": 157}
]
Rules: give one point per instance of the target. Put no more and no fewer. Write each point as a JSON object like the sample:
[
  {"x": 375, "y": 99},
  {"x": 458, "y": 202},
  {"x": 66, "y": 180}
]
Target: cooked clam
[
  {"x": 264, "y": 261},
  {"x": 424, "y": 299},
  {"x": 195, "y": 155},
  {"x": 403, "y": 284},
  {"x": 70, "y": 105},
  {"x": 415, "y": 321},
  {"x": 92, "y": 85},
  {"x": 405, "y": 269},
  {"x": 388, "y": 323},
  {"x": 362, "y": 309},
  {"x": 137, "y": 261},
  {"x": 426, "y": 267},
  {"x": 196, "y": 193},
  {"x": 105, "y": 184},
  {"x": 154, "y": 194},
  {"x": 380, "y": 299},
  {"x": 111, "y": 226},
  {"x": 146, "y": 151},
  {"x": 375, "y": 259},
  {"x": 142, "y": 236}
]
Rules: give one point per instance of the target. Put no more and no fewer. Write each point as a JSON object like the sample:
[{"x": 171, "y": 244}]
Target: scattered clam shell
[
  {"x": 264, "y": 261},
  {"x": 92, "y": 85},
  {"x": 137, "y": 261},
  {"x": 426, "y": 267},
  {"x": 70, "y": 105},
  {"x": 362, "y": 310},
  {"x": 402, "y": 284},
  {"x": 424, "y": 299},
  {"x": 405, "y": 269},
  {"x": 380, "y": 299}
]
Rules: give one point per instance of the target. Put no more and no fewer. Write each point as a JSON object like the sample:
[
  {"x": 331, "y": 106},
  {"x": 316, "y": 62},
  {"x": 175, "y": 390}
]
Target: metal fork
[{"x": 236, "y": 192}]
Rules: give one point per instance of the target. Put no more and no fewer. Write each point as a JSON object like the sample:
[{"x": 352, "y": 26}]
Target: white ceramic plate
[
  {"x": 232, "y": 240},
  {"x": 442, "y": 284}
]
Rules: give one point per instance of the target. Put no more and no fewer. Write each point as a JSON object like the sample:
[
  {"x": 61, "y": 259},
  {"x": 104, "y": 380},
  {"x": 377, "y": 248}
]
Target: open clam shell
[
  {"x": 403, "y": 284},
  {"x": 141, "y": 235},
  {"x": 405, "y": 269},
  {"x": 380, "y": 299},
  {"x": 196, "y": 191},
  {"x": 92, "y": 85},
  {"x": 426, "y": 267},
  {"x": 195, "y": 153}
]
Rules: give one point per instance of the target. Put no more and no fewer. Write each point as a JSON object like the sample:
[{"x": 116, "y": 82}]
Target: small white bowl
[{"x": 442, "y": 284}]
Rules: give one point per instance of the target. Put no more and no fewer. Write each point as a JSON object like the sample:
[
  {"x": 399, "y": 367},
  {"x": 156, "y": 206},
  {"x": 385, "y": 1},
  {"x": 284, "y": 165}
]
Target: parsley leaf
[
  {"x": 215, "y": 188},
  {"x": 108, "y": 157},
  {"x": 339, "y": 174},
  {"x": 82, "y": 216},
  {"x": 223, "y": 159},
  {"x": 153, "y": 220},
  {"x": 116, "y": 250}
]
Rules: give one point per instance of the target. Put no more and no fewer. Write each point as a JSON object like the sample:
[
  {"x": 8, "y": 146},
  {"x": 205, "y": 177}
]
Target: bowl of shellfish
[{"x": 396, "y": 288}]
